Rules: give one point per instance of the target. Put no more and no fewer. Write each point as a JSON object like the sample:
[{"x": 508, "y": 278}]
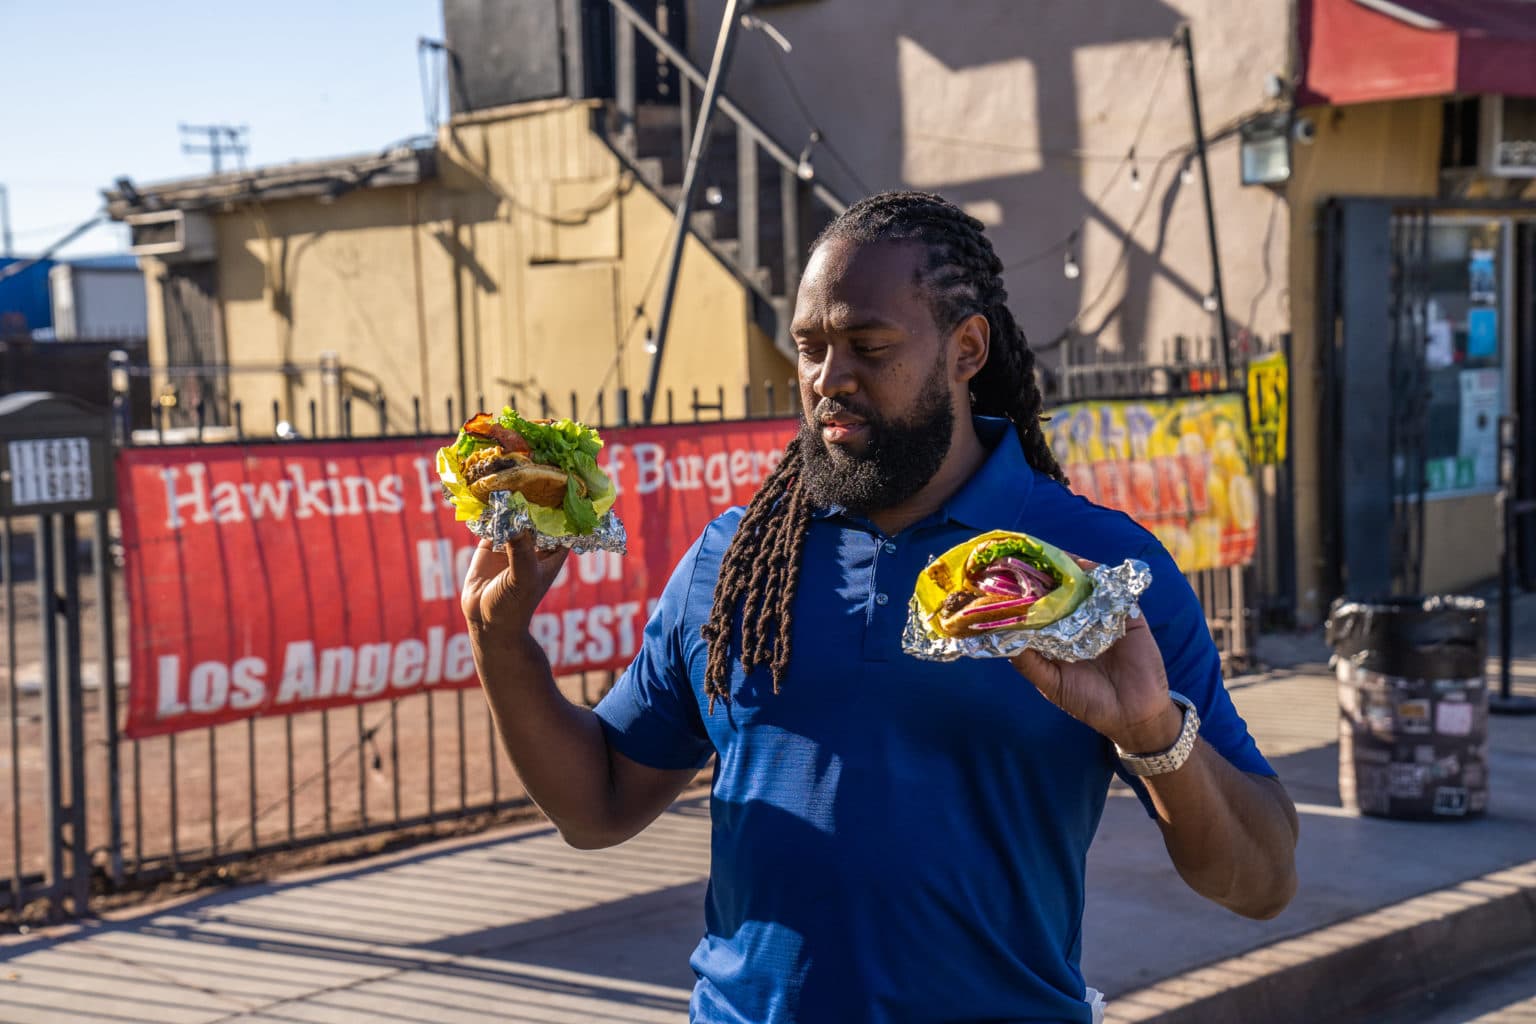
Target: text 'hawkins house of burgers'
[{"x": 193, "y": 497}]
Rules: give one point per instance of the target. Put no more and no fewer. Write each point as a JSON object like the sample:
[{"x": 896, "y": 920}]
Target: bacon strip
[{"x": 485, "y": 425}]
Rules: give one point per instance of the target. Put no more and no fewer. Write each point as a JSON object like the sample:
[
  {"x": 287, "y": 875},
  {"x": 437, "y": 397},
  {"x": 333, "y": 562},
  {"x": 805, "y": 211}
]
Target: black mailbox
[{"x": 55, "y": 455}]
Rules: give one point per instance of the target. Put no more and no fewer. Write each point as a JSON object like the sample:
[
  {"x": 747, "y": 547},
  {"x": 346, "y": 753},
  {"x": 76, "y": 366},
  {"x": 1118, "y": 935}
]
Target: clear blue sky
[{"x": 94, "y": 90}]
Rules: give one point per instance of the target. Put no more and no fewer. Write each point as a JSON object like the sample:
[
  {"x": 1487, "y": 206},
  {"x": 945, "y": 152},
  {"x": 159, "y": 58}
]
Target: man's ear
[{"x": 971, "y": 341}]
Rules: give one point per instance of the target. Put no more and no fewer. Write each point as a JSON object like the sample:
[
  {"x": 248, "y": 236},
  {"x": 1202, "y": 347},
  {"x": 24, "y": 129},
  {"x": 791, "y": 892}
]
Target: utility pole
[
  {"x": 222, "y": 138},
  {"x": 1217, "y": 292},
  {"x": 5, "y": 222}
]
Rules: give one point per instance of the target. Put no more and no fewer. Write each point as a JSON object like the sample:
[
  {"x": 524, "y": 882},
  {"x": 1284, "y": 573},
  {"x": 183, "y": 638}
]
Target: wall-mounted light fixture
[{"x": 1265, "y": 148}]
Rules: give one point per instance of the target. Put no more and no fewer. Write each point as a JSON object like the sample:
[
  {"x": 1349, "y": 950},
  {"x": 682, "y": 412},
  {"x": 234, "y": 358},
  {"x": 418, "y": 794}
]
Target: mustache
[{"x": 829, "y": 407}]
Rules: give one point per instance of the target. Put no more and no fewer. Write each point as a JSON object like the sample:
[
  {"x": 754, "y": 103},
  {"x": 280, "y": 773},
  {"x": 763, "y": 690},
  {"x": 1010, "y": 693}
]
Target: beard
[{"x": 899, "y": 458}]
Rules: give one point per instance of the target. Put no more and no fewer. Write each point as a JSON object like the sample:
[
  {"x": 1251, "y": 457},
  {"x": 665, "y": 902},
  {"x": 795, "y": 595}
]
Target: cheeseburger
[{"x": 551, "y": 465}]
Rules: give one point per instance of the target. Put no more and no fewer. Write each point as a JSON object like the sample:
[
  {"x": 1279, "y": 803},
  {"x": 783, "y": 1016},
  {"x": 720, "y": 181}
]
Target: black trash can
[{"x": 1413, "y": 706}]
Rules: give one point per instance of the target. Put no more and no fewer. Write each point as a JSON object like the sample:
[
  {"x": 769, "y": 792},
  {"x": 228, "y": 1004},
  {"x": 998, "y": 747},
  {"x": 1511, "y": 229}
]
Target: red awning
[{"x": 1357, "y": 51}]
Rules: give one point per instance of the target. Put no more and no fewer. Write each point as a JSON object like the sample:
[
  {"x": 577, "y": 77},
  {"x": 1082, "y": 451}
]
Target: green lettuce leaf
[{"x": 565, "y": 443}]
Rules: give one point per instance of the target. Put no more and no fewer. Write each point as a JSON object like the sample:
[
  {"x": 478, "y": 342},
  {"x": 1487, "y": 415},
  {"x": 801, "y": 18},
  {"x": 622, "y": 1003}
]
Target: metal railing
[
  {"x": 804, "y": 203},
  {"x": 93, "y": 813}
]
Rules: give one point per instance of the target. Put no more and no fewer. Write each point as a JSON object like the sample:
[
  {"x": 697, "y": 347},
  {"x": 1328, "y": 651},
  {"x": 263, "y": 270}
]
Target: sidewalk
[{"x": 516, "y": 926}]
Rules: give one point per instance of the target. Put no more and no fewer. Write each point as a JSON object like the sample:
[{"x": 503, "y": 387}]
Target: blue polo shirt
[{"x": 894, "y": 839}]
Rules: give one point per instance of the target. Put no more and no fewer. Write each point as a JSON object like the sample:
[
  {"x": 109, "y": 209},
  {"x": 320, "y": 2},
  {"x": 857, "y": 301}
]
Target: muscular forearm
[
  {"x": 1231, "y": 835},
  {"x": 557, "y": 748}
]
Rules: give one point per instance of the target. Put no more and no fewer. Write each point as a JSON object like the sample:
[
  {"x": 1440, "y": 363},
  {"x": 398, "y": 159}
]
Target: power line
[
  {"x": 1114, "y": 176},
  {"x": 777, "y": 45}
]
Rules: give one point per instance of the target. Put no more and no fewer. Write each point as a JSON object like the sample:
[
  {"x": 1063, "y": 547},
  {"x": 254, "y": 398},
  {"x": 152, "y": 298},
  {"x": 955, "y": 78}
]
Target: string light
[
  {"x": 1187, "y": 175},
  {"x": 1069, "y": 267},
  {"x": 1209, "y": 302},
  {"x": 650, "y": 342},
  {"x": 805, "y": 169},
  {"x": 1135, "y": 170}
]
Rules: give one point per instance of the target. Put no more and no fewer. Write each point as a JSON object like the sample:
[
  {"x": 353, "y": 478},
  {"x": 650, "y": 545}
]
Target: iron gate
[{"x": 93, "y": 813}]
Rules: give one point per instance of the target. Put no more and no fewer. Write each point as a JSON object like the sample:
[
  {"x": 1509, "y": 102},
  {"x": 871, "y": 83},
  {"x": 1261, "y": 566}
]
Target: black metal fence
[{"x": 93, "y": 812}]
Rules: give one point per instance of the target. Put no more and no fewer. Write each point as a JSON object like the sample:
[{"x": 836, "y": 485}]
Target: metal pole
[
  {"x": 5, "y": 222},
  {"x": 1210, "y": 211},
  {"x": 1506, "y": 703},
  {"x": 53, "y": 763},
  {"x": 725, "y": 46},
  {"x": 74, "y": 705}
]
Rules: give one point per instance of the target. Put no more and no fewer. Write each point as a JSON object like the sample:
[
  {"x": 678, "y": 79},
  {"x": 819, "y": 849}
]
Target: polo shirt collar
[
  {"x": 1001, "y": 484},
  {"x": 1003, "y": 481}
]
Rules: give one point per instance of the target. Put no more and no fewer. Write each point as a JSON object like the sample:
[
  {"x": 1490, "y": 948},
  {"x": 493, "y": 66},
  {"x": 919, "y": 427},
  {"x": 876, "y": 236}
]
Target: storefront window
[{"x": 1464, "y": 356}]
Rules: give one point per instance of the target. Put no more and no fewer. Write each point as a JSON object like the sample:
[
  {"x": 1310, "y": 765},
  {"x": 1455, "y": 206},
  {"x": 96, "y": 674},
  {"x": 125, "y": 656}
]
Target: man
[{"x": 893, "y": 839}]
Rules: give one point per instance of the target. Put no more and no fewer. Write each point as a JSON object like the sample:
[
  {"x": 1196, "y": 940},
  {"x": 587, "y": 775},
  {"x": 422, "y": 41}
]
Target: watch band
[{"x": 1172, "y": 759}]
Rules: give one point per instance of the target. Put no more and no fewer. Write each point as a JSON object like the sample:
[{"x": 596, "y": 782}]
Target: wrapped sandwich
[{"x": 1001, "y": 593}]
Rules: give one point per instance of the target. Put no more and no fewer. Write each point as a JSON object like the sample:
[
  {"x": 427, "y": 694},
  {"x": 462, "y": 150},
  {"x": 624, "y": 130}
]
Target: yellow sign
[
  {"x": 1269, "y": 399},
  {"x": 1179, "y": 466}
]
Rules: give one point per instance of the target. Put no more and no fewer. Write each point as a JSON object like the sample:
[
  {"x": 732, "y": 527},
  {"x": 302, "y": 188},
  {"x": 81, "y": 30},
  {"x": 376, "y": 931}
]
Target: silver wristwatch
[{"x": 1172, "y": 759}]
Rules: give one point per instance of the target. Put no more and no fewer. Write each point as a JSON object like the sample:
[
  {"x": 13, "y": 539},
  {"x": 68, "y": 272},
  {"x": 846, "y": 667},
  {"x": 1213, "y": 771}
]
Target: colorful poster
[
  {"x": 1482, "y": 333},
  {"x": 1179, "y": 466},
  {"x": 1481, "y": 405},
  {"x": 269, "y": 579},
  {"x": 1269, "y": 400},
  {"x": 1482, "y": 281}
]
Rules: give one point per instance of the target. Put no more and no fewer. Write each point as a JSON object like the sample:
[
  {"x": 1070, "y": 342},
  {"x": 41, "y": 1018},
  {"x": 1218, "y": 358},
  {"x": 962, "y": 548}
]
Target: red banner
[{"x": 271, "y": 579}]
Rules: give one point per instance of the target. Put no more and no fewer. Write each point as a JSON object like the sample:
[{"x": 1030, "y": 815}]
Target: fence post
[{"x": 53, "y": 762}]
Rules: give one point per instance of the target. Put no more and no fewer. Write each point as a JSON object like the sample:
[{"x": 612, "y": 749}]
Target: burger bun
[{"x": 539, "y": 484}]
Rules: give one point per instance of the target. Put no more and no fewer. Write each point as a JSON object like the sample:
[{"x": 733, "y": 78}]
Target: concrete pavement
[{"x": 516, "y": 926}]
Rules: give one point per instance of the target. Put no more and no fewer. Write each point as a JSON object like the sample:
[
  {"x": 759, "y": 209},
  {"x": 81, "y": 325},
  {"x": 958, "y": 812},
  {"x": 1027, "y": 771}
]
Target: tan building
[{"x": 521, "y": 252}]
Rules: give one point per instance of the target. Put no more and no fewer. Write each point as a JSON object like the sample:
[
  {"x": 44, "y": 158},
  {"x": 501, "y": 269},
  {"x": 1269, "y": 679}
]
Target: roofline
[{"x": 396, "y": 166}]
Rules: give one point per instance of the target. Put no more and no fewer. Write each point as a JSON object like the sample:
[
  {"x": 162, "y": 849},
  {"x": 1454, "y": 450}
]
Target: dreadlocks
[{"x": 961, "y": 277}]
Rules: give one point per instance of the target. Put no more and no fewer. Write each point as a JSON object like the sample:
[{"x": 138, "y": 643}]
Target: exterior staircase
[{"x": 753, "y": 208}]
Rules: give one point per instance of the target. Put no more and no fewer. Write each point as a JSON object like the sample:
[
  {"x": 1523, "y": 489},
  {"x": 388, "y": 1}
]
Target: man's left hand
[{"x": 1122, "y": 694}]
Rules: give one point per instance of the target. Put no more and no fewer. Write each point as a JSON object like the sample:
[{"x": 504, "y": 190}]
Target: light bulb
[
  {"x": 1209, "y": 302},
  {"x": 650, "y": 343},
  {"x": 805, "y": 169},
  {"x": 713, "y": 196},
  {"x": 1187, "y": 176},
  {"x": 1135, "y": 179},
  {"x": 1070, "y": 269}
]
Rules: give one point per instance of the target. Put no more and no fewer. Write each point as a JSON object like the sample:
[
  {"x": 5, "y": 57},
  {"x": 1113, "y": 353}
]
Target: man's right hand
[{"x": 503, "y": 589}]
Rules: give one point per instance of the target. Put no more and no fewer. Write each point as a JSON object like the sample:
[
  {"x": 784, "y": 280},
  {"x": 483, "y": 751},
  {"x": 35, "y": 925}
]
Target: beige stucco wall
[
  {"x": 1382, "y": 149},
  {"x": 515, "y": 272},
  {"x": 1023, "y": 114}
]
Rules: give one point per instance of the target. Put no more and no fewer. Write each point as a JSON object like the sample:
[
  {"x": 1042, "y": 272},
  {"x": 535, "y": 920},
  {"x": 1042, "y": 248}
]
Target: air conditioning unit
[
  {"x": 1508, "y": 133},
  {"x": 175, "y": 236}
]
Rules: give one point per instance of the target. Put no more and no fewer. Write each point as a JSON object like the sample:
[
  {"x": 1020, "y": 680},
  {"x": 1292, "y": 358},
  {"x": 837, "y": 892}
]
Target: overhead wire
[
  {"x": 818, "y": 135},
  {"x": 1114, "y": 175}
]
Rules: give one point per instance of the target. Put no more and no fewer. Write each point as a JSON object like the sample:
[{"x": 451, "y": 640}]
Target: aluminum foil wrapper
[
  {"x": 1085, "y": 634},
  {"x": 501, "y": 521}
]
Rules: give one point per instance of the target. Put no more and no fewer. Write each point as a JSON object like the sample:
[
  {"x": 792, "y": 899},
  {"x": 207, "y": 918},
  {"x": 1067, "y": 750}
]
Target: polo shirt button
[
  {"x": 881, "y": 599},
  {"x": 890, "y": 547}
]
